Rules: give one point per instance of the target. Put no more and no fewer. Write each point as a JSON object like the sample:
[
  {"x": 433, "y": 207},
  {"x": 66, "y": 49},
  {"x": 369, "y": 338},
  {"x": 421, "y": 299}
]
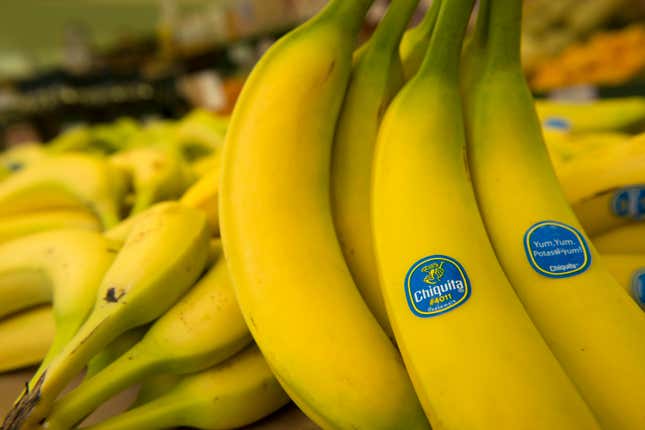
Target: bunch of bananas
[{"x": 387, "y": 244}]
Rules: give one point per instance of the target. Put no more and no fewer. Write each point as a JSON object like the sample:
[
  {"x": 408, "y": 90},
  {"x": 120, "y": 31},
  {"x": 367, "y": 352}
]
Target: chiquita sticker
[
  {"x": 629, "y": 202},
  {"x": 638, "y": 287},
  {"x": 435, "y": 285},
  {"x": 556, "y": 250}
]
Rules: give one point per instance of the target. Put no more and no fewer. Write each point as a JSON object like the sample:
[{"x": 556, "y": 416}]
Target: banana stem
[
  {"x": 480, "y": 34},
  {"x": 130, "y": 368},
  {"x": 444, "y": 52},
  {"x": 427, "y": 24},
  {"x": 504, "y": 33},
  {"x": 388, "y": 33},
  {"x": 351, "y": 12},
  {"x": 163, "y": 412}
]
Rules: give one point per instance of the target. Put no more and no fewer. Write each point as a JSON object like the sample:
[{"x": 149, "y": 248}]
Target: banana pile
[{"x": 387, "y": 235}]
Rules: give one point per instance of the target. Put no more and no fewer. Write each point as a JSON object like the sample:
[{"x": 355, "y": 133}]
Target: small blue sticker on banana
[
  {"x": 638, "y": 287},
  {"x": 556, "y": 250},
  {"x": 435, "y": 285},
  {"x": 629, "y": 202}
]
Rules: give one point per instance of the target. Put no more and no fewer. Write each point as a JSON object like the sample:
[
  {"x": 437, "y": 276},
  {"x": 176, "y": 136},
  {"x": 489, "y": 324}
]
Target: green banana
[
  {"x": 375, "y": 79},
  {"x": 157, "y": 173},
  {"x": 593, "y": 328},
  {"x": 290, "y": 278},
  {"x": 161, "y": 258},
  {"x": 63, "y": 267},
  {"x": 64, "y": 181},
  {"x": 25, "y": 338},
  {"x": 15, "y": 226},
  {"x": 231, "y": 395},
  {"x": 204, "y": 328},
  {"x": 414, "y": 43},
  {"x": 441, "y": 280}
]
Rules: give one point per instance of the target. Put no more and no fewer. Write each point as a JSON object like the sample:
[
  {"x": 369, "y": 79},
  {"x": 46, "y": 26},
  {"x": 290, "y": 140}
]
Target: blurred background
[{"x": 70, "y": 62}]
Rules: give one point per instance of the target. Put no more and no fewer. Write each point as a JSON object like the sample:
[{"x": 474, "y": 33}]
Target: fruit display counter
[{"x": 396, "y": 235}]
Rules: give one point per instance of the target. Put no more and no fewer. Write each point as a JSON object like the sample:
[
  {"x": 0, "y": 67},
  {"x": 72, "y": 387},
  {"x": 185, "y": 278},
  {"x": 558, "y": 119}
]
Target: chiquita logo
[{"x": 435, "y": 285}]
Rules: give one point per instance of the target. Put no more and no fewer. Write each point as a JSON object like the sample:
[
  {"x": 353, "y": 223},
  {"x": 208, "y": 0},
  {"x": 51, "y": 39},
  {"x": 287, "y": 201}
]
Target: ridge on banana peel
[
  {"x": 157, "y": 173},
  {"x": 415, "y": 41},
  {"x": 629, "y": 271},
  {"x": 63, "y": 267},
  {"x": 291, "y": 281},
  {"x": 25, "y": 337},
  {"x": 448, "y": 299},
  {"x": 376, "y": 77},
  {"x": 233, "y": 394},
  {"x": 201, "y": 330},
  {"x": 592, "y": 327},
  {"x": 65, "y": 181},
  {"x": 15, "y": 226},
  {"x": 162, "y": 256}
]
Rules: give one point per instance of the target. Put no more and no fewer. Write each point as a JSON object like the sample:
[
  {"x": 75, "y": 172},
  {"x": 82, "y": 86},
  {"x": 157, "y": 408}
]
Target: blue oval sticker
[
  {"x": 638, "y": 287},
  {"x": 435, "y": 285},
  {"x": 629, "y": 202},
  {"x": 556, "y": 250}
]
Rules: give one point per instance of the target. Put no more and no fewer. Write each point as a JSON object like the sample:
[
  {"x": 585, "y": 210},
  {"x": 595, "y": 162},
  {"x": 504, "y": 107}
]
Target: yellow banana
[
  {"x": 204, "y": 328},
  {"x": 114, "y": 350},
  {"x": 161, "y": 258},
  {"x": 74, "y": 139},
  {"x": 203, "y": 195},
  {"x": 629, "y": 239},
  {"x": 155, "y": 386},
  {"x": 25, "y": 338},
  {"x": 594, "y": 116},
  {"x": 414, "y": 43},
  {"x": 64, "y": 181},
  {"x": 206, "y": 165},
  {"x": 290, "y": 278},
  {"x": 456, "y": 318},
  {"x": 231, "y": 395},
  {"x": 376, "y": 77},
  {"x": 157, "y": 173},
  {"x": 19, "y": 157},
  {"x": 63, "y": 267},
  {"x": 629, "y": 271},
  {"x": 15, "y": 226},
  {"x": 591, "y": 325}
]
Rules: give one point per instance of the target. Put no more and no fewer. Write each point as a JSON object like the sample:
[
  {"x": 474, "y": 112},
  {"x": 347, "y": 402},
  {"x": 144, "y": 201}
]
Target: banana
[
  {"x": 63, "y": 267},
  {"x": 441, "y": 280},
  {"x": 291, "y": 281},
  {"x": 200, "y": 133},
  {"x": 206, "y": 165},
  {"x": 414, "y": 43},
  {"x": 65, "y": 181},
  {"x": 376, "y": 77},
  {"x": 595, "y": 116},
  {"x": 629, "y": 239},
  {"x": 25, "y": 338},
  {"x": 200, "y": 331},
  {"x": 203, "y": 195},
  {"x": 18, "y": 157},
  {"x": 593, "y": 328},
  {"x": 629, "y": 271},
  {"x": 157, "y": 173},
  {"x": 231, "y": 395},
  {"x": 155, "y": 386},
  {"x": 15, "y": 226},
  {"x": 75, "y": 139},
  {"x": 161, "y": 258}
]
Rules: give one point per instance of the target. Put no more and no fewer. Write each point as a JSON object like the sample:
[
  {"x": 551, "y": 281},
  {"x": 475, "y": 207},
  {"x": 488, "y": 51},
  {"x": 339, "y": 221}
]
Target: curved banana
[
  {"x": 629, "y": 271},
  {"x": 593, "y": 328},
  {"x": 596, "y": 116},
  {"x": 231, "y": 395},
  {"x": 203, "y": 195},
  {"x": 629, "y": 239},
  {"x": 441, "y": 280},
  {"x": 290, "y": 278},
  {"x": 161, "y": 258},
  {"x": 203, "y": 329},
  {"x": 375, "y": 79},
  {"x": 157, "y": 173},
  {"x": 64, "y": 181},
  {"x": 25, "y": 338},
  {"x": 414, "y": 43},
  {"x": 15, "y": 226}
]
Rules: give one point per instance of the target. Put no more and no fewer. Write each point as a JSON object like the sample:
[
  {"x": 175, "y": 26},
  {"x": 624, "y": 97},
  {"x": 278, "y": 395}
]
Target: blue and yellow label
[
  {"x": 556, "y": 250},
  {"x": 638, "y": 287},
  {"x": 435, "y": 285},
  {"x": 629, "y": 202}
]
